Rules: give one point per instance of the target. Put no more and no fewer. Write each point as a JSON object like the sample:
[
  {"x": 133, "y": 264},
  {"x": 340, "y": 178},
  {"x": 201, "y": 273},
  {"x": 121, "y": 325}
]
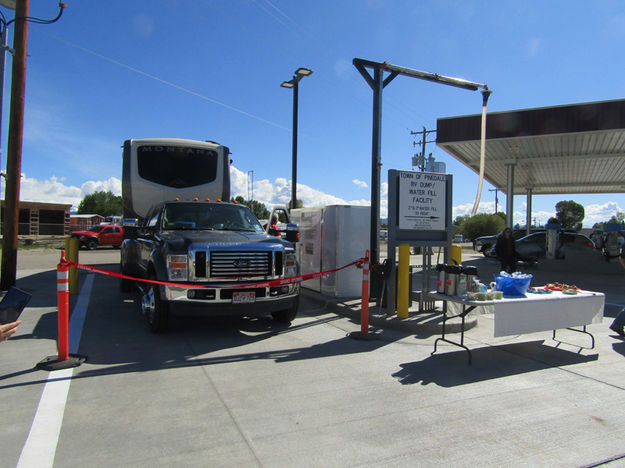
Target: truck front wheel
[
  {"x": 155, "y": 309},
  {"x": 92, "y": 244},
  {"x": 287, "y": 315}
]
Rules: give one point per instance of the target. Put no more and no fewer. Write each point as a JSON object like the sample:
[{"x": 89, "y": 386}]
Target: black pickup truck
[{"x": 209, "y": 244}]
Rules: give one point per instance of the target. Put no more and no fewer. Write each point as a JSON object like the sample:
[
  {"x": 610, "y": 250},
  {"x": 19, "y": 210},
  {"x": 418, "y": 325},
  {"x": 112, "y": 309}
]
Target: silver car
[{"x": 534, "y": 246}]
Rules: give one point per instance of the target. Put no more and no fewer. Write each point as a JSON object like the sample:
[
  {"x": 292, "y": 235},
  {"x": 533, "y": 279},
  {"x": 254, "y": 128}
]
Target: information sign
[{"x": 422, "y": 201}]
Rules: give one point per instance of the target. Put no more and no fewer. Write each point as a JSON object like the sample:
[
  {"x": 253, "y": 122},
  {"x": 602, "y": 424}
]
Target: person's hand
[{"x": 7, "y": 330}]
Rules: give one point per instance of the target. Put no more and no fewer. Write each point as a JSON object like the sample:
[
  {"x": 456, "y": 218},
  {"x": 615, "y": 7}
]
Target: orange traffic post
[
  {"x": 364, "y": 334},
  {"x": 63, "y": 360},
  {"x": 62, "y": 294}
]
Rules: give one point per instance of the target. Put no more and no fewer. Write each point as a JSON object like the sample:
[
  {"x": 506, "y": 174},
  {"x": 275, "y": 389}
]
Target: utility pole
[
  {"x": 419, "y": 160},
  {"x": 14, "y": 153},
  {"x": 8, "y": 267},
  {"x": 496, "y": 190}
]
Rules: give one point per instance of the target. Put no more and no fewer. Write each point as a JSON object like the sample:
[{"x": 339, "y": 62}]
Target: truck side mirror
[
  {"x": 130, "y": 226},
  {"x": 292, "y": 232}
]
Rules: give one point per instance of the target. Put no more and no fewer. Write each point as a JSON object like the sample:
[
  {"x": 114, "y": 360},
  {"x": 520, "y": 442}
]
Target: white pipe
[{"x": 476, "y": 204}]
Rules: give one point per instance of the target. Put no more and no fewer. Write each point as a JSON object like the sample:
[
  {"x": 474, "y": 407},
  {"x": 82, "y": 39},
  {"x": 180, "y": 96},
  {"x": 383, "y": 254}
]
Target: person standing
[
  {"x": 505, "y": 251},
  {"x": 275, "y": 230},
  {"x": 618, "y": 325}
]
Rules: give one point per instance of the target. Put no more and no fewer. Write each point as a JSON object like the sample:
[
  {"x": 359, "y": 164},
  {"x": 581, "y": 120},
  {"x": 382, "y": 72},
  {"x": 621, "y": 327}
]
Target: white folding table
[{"x": 534, "y": 313}]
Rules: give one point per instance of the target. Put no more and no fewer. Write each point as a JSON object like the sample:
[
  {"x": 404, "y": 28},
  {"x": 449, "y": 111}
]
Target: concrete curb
[{"x": 426, "y": 323}]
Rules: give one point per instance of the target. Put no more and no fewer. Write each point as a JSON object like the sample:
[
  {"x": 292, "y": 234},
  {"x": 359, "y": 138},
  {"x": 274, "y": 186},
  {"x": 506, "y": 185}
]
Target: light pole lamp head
[
  {"x": 303, "y": 71},
  {"x": 288, "y": 84}
]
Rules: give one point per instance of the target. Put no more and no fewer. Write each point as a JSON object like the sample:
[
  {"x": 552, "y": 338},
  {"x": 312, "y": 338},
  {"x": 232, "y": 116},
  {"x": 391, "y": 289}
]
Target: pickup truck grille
[{"x": 225, "y": 264}]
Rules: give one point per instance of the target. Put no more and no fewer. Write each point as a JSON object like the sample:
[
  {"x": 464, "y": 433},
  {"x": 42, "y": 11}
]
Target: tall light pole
[
  {"x": 250, "y": 185},
  {"x": 293, "y": 83}
]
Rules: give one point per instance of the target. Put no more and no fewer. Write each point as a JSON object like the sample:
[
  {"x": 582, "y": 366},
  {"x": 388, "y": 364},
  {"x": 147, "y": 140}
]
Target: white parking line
[{"x": 43, "y": 438}]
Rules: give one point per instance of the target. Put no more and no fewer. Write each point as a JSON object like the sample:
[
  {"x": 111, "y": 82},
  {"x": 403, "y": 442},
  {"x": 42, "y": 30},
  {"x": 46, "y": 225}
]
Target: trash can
[
  {"x": 381, "y": 274},
  {"x": 455, "y": 254}
]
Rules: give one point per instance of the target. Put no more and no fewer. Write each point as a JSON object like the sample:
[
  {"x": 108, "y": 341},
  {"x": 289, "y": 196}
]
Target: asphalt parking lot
[{"x": 249, "y": 392}]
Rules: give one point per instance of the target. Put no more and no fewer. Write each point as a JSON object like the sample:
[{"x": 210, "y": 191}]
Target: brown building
[
  {"x": 38, "y": 219},
  {"x": 83, "y": 222}
]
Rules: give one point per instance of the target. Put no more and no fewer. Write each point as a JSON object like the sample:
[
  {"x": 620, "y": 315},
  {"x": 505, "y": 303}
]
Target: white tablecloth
[{"x": 536, "y": 312}]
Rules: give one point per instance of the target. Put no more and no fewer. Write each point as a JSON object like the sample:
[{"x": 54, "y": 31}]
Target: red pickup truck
[{"x": 100, "y": 234}]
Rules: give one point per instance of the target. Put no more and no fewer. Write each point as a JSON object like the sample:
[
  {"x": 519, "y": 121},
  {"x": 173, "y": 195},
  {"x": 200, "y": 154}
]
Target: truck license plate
[{"x": 243, "y": 297}]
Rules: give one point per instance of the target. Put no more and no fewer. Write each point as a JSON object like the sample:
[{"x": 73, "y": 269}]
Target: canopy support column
[
  {"x": 528, "y": 216},
  {"x": 510, "y": 195}
]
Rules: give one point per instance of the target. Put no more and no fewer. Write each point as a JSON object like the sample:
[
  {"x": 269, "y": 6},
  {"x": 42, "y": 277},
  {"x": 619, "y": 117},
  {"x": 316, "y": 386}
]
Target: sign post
[{"x": 419, "y": 214}]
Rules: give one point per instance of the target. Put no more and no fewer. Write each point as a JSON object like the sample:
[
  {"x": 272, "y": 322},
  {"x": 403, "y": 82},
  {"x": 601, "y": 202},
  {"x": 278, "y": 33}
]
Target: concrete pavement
[{"x": 242, "y": 392}]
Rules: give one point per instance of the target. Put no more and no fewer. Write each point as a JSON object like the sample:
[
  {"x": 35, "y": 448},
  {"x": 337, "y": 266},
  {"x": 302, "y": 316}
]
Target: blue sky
[{"x": 211, "y": 69}]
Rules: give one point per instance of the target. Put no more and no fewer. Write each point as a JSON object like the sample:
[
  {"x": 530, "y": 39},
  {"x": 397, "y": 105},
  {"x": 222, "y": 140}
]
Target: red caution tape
[{"x": 264, "y": 284}]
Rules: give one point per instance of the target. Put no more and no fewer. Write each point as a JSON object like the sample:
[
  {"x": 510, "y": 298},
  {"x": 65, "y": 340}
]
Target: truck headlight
[
  {"x": 290, "y": 265},
  {"x": 177, "y": 267}
]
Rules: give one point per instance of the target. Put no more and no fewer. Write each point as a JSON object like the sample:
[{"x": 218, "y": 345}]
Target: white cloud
[
  {"x": 360, "y": 183},
  {"x": 466, "y": 208},
  {"x": 113, "y": 184},
  {"x": 278, "y": 192},
  {"x": 53, "y": 190},
  {"x": 599, "y": 213},
  {"x": 539, "y": 218}
]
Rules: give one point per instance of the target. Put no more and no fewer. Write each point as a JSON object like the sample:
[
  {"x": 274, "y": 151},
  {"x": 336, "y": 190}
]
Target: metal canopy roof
[{"x": 578, "y": 148}]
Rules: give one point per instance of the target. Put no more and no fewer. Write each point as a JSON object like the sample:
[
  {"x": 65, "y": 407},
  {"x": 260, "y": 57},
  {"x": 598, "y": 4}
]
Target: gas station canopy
[{"x": 577, "y": 148}]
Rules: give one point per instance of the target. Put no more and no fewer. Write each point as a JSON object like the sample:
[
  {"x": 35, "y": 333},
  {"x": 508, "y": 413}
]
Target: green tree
[
  {"x": 482, "y": 225},
  {"x": 102, "y": 203},
  {"x": 298, "y": 204},
  {"x": 258, "y": 208},
  {"x": 570, "y": 214},
  {"x": 458, "y": 224},
  {"x": 618, "y": 218}
]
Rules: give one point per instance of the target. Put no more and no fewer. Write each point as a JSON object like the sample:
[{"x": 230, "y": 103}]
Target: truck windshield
[{"x": 210, "y": 216}]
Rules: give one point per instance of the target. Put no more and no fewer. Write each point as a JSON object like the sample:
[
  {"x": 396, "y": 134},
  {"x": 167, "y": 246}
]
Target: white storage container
[{"x": 330, "y": 237}]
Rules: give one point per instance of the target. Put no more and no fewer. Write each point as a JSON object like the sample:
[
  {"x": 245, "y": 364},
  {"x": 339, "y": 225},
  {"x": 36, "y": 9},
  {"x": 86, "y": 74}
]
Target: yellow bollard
[
  {"x": 456, "y": 254},
  {"x": 403, "y": 281},
  {"x": 71, "y": 248}
]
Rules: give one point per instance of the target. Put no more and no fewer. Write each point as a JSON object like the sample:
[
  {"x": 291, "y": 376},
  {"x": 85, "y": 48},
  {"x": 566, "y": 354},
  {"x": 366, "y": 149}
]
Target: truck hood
[
  {"x": 222, "y": 240},
  {"x": 84, "y": 233}
]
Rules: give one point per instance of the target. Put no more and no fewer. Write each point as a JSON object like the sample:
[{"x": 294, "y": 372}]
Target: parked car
[
  {"x": 597, "y": 237},
  {"x": 534, "y": 246},
  {"x": 486, "y": 245},
  {"x": 100, "y": 234}
]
